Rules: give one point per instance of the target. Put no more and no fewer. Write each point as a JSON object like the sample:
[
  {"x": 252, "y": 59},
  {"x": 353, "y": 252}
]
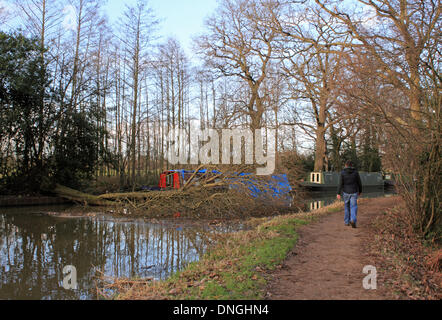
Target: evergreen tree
[{"x": 35, "y": 154}]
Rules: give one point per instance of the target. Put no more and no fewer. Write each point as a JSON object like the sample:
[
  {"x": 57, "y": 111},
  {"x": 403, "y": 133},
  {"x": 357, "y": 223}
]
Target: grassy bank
[{"x": 235, "y": 268}]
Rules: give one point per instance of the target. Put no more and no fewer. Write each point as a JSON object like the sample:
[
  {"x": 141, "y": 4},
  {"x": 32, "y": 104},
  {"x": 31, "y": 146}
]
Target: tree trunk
[{"x": 320, "y": 149}]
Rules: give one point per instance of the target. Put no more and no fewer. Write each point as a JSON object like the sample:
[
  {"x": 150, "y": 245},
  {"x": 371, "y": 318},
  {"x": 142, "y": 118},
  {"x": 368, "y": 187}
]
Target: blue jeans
[{"x": 351, "y": 207}]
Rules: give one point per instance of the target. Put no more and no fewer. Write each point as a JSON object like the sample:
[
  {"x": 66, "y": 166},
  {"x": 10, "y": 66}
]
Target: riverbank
[
  {"x": 236, "y": 268},
  {"x": 297, "y": 256},
  {"x": 26, "y": 201}
]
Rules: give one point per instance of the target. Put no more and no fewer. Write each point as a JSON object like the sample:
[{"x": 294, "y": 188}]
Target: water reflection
[
  {"x": 35, "y": 249},
  {"x": 318, "y": 200},
  {"x": 315, "y": 205}
]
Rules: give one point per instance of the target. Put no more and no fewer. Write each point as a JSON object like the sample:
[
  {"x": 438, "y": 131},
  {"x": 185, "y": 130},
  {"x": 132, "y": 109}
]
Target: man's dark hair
[{"x": 349, "y": 164}]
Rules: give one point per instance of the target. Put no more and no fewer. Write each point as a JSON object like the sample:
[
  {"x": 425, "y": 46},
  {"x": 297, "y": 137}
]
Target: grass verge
[{"x": 235, "y": 268}]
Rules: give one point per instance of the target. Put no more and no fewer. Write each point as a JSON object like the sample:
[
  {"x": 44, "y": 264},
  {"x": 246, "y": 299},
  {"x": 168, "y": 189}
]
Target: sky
[{"x": 182, "y": 19}]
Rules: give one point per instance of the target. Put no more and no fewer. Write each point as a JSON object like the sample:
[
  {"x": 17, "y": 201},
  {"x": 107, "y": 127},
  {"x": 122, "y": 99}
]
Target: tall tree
[
  {"x": 87, "y": 20},
  {"x": 40, "y": 18},
  {"x": 238, "y": 44},
  {"x": 138, "y": 29},
  {"x": 312, "y": 52},
  {"x": 402, "y": 38}
]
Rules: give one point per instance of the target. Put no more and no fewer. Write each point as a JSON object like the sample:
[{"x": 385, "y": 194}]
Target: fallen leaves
[
  {"x": 175, "y": 291},
  {"x": 411, "y": 270}
]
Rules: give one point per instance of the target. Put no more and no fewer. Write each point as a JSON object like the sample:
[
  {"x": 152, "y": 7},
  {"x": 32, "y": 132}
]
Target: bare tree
[
  {"x": 312, "y": 53},
  {"x": 87, "y": 21},
  {"x": 138, "y": 28},
  {"x": 399, "y": 41},
  {"x": 237, "y": 44},
  {"x": 101, "y": 59},
  {"x": 401, "y": 89},
  {"x": 41, "y": 17}
]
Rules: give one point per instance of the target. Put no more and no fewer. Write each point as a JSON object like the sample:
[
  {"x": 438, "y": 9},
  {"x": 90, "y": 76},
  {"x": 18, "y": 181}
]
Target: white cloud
[
  {"x": 5, "y": 7},
  {"x": 70, "y": 15}
]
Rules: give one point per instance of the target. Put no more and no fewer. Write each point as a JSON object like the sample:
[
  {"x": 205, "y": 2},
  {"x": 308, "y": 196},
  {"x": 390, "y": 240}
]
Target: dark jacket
[{"x": 350, "y": 181}]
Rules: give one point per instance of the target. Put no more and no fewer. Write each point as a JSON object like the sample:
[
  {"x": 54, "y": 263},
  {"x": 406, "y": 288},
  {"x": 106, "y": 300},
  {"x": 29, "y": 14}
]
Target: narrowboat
[{"x": 328, "y": 181}]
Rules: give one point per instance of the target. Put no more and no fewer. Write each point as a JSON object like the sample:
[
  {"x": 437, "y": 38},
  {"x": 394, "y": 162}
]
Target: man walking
[{"x": 350, "y": 187}]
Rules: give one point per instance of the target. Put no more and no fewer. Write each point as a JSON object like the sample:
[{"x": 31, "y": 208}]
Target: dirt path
[{"x": 327, "y": 262}]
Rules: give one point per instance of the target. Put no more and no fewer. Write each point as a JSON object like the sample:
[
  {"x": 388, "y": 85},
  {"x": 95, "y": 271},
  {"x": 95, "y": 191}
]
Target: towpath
[{"x": 327, "y": 262}]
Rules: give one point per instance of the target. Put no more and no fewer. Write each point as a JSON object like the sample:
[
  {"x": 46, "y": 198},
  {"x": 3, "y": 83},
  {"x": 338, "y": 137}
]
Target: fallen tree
[
  {"x": 80, "y": 197},
  {"x": 208, "y": 195}
]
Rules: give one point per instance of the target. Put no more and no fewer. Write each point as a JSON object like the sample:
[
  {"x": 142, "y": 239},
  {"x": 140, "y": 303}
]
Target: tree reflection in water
[
  {"x": 318, "y": 200},
  {"x": 35, "y": 249}
]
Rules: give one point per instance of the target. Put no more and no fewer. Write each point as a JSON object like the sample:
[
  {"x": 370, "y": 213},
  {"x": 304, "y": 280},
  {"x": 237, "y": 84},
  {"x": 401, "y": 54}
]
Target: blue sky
[{"x": 180, "y": 18}]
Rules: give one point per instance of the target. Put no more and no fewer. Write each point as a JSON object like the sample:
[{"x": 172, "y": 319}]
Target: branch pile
[{"x": 204, "y": 194}]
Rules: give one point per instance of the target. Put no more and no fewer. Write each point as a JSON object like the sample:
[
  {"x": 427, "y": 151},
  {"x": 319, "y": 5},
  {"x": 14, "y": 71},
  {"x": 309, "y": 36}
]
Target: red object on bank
[
  {"x": 163, "y": 181},
  {"x": 170, "y": 179}
]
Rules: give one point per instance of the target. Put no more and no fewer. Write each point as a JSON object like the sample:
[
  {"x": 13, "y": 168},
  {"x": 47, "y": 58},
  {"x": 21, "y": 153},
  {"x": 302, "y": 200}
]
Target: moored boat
[{"x": 328, "y": 181}]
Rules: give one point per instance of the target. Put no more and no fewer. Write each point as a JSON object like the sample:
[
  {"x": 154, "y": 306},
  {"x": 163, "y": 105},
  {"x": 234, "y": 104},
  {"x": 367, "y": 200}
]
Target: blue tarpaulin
[{"x": 276, "y": 187}]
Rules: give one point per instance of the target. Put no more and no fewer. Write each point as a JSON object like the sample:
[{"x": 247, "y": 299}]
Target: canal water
[{"x": 35, "y": 248}]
